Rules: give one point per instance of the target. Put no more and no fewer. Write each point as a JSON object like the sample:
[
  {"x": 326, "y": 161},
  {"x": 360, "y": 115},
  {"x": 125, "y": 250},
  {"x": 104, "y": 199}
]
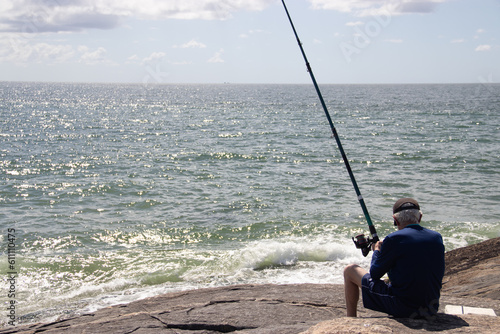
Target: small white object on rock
[{"x": 457, "y": 309}]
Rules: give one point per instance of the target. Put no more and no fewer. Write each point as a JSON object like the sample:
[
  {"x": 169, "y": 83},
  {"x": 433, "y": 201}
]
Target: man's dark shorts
[{"x": 377, "y": 296}]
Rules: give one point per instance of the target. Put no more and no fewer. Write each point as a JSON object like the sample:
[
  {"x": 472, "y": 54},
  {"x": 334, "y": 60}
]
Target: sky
[{"x": 250, "y": 41}]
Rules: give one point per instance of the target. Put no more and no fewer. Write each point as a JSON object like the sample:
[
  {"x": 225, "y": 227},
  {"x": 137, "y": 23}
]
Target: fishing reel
[{"x": 363, "y": 243}]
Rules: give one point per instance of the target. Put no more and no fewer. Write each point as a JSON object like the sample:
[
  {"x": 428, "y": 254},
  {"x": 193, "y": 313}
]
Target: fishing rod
[{"x": 361, "y": 242}]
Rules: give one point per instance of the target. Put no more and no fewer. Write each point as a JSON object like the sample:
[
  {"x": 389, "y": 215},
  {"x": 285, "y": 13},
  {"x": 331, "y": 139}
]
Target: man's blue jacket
[{"x": 414, "y": 260}]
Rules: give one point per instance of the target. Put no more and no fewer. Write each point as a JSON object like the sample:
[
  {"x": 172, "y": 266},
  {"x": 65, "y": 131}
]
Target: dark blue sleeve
[{"x": 383, "y": 260}]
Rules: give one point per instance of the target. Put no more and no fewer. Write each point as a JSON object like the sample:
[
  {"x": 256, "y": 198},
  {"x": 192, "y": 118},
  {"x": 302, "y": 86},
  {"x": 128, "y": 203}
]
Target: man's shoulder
[
  {"x": 413, "y": 230},
  {"x": 404, "y": 231}
]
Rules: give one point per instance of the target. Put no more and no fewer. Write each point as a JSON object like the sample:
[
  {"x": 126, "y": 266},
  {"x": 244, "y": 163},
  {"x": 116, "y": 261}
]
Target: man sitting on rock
[{"x": 413, "y": 257}]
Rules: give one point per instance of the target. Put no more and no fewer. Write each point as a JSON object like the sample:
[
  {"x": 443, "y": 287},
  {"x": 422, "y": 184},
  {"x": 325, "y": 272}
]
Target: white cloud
[
  {"x": 21, "y": 51},
  {"x": 217, "y": 58},
  {"x": 377, "y": 7},
  {"x": 151, "y": 60},
  {"x": 458, "y": 40},
  {"x": 250, "y": 33},
  {"x": 155, "y": 57},
  {"x": 35, "y": 16},
  {"x": 133, "y": 59},
  {"x": 483, "y": 47},
  {"x": 95, "y": 57},
  {"x": 479, "y": 32},
  {"x": 354, "y": 24},
  {"x": 191, "y": 44}
]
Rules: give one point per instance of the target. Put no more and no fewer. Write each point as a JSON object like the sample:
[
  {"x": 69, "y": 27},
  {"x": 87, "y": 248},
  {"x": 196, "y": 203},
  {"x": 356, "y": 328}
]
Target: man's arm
[{"x": 382, "y": 258}]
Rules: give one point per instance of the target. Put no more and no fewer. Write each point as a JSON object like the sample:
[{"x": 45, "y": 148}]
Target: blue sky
[{"x": 250, "y": 41}]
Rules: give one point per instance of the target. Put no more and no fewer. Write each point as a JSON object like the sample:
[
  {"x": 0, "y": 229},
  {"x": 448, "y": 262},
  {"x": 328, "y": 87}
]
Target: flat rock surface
[
  {"x": 473, "y": 271},
  {"x": 470, "y": 280}
]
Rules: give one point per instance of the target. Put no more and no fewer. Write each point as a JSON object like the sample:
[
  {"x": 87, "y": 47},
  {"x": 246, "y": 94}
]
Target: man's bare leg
[{"x": 352, "y": 283}]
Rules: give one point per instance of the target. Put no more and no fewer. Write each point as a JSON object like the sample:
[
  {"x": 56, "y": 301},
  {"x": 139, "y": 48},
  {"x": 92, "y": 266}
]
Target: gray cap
[{"x": 405, "y": 204}]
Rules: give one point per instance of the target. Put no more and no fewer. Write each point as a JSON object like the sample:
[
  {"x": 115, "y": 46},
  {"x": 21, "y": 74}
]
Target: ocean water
[{"x": 118, "y": 192}]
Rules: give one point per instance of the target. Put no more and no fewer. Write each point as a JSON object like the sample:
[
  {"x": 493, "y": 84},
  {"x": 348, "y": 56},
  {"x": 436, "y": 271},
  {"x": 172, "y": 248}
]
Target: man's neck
[{"x": 402, "y": 227}]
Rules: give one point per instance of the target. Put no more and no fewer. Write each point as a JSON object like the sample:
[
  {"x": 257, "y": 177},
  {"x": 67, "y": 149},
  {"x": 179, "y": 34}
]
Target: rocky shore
[{"x": 471, "y": 279}]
